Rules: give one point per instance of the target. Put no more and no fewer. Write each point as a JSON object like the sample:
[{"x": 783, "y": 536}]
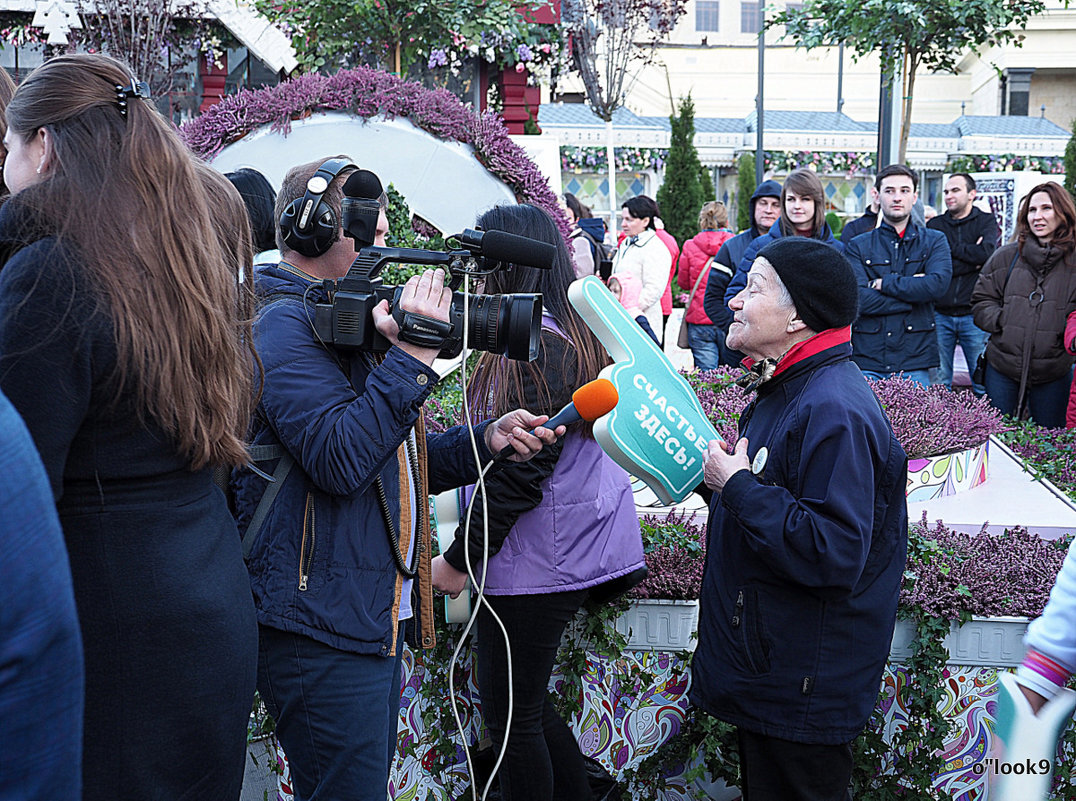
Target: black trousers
[
  {"x": 780, "y": 770},
  {"x": 542, "y": 761}
]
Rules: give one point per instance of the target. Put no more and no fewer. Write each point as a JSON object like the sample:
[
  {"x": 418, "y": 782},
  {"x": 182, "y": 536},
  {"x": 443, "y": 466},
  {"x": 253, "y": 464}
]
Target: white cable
[{"x": 480, "y": 598}]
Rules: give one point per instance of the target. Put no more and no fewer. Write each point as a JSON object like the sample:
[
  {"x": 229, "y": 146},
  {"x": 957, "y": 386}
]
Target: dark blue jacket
[
  {"x": 895, "y": 329},
  {"x": 739, "y": 281},
  {"x": 41, "y": 677},
  {"x": 343, "y": 435},
  {"x": 729, "y": 255},
  {"x": 804, "y": 560}
]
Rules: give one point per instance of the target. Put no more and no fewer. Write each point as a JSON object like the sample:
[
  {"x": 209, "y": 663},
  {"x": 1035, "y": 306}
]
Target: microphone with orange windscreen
[{"x": 591, "y": 401}]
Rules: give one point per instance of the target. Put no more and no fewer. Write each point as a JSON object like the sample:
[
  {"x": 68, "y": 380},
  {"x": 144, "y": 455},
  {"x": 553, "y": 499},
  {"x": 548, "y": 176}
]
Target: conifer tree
[
  {"x": 1070, "y": 163},
  {"x": 681, "y": 194},
  {"x": 706, "y": 181},
  {"x": 745, "y": 187}
]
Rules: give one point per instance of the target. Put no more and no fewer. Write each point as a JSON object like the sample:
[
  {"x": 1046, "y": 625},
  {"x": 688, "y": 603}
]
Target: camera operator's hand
[
  {"x": 424, "y": 294},
  {"x": 514, "y": 429}
]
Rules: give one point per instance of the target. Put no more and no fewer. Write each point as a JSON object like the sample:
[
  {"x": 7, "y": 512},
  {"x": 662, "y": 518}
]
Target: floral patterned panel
[{"x": 940, "y": 476}]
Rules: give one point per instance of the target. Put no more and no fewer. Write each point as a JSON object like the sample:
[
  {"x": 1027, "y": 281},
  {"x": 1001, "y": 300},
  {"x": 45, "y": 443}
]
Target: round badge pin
[{"x": 760, "y": 460}]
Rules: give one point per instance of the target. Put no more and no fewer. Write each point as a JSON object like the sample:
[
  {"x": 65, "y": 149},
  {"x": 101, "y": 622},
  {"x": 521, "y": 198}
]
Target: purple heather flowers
[{"x": 927, "y": 421}]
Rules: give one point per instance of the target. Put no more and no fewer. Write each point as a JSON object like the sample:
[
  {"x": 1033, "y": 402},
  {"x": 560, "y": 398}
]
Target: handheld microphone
[
  {"x": 361, "y": 206},
  {"x": 591, "y": 401}
]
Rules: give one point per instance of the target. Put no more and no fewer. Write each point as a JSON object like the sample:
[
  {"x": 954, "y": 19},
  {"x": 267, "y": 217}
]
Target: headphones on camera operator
[{"x": 309, "y": 225}]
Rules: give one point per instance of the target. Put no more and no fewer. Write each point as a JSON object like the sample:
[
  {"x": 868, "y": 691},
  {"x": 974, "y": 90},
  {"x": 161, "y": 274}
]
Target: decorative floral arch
[{"x": 365, "y": 92}]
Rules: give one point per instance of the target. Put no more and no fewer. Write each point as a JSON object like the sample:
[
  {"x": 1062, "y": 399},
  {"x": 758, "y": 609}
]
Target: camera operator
[{"x": 333, "y": 602}]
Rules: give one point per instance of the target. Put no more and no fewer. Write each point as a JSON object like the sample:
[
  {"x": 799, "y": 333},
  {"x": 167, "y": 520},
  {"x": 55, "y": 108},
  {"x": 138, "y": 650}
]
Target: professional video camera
[{"x": 506, "y": 324}]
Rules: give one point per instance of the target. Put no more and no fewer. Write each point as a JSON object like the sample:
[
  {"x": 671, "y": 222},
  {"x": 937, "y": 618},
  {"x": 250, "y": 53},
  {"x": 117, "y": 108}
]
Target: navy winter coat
[
  {"x": 325, "y": 524},
  {"x": 804, "y": 560},
  {"x": 895, "y": 329}
]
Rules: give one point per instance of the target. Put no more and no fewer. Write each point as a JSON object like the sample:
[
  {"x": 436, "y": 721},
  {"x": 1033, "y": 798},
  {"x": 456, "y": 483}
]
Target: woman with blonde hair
[{"x": 124, "y": 345}]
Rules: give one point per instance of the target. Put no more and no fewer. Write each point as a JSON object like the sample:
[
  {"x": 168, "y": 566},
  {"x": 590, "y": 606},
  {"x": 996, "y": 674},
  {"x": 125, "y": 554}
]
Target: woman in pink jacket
[{"x": 706, "y": 340}]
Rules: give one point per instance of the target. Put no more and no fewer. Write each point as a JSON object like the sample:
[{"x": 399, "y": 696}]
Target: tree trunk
[
  {"x": 911, "y": 65},
  {"x": 610, "y": 157}
]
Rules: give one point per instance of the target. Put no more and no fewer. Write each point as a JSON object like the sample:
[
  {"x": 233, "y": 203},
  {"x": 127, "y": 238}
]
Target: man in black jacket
[
  {"x": 860, "y": 225},
  {"x": 972, "y": 234},
  {"x": 902, "y": 269}
]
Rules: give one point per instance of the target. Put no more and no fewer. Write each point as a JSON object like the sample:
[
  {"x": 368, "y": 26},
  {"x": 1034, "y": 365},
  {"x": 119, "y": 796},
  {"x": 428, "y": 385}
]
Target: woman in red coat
[{"x": 706, "y": 340}]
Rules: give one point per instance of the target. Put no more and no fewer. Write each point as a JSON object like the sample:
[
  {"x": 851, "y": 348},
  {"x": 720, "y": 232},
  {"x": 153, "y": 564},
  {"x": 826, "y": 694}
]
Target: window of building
[
  {"x": 749, "y": 17},
  {"x": 706, "y": 15}
]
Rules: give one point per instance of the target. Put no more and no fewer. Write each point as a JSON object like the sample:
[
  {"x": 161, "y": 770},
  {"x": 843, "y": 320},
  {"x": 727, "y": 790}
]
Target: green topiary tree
[
  {"x": 681, "y": 194},
  {"x": 706, "y": 181},
  {"x": 745, "y": 187},
  {"x": 1070, "y": 162}
]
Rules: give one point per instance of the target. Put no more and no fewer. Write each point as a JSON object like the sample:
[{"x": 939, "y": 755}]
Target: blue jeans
[
  {"x": 706, "y": 343},
  {"x": 337, "y": 714},
  {"x": 1046, "y": 402},
  {"x": 963, "y": 331},
  {"x": 921, "y": 377}
]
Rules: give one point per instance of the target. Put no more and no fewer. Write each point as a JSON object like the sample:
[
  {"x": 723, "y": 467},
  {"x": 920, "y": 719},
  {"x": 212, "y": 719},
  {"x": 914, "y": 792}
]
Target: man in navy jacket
[
  {"x": 807, "y": 535},
  {"x": 331, "y": 599},
  {"x": 902, "y": 269}
]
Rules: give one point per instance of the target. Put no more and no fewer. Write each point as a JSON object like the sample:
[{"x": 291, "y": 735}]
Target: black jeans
[
  {"x": 542, "y": 762},
  {"x": 780, "y": 770}
]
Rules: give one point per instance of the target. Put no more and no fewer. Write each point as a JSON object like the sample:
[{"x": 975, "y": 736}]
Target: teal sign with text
[{"x": 657, "y": 431}]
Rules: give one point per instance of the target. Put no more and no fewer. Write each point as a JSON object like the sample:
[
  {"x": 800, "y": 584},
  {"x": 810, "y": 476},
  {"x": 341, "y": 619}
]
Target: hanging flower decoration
[
  {"x": 1007, "y": 162},
  {"x": 628, "y": 159},
  {"x": 534, "y": 48},
  {"x": 837, "y": 162}
]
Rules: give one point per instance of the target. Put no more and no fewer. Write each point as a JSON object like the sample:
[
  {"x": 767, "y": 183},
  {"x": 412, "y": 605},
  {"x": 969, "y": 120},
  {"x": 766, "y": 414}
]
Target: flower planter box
[
  {"x": 947, "y": 474},
  {"x": 982, "y": 641},
  {"x": 659, "y": 625}
]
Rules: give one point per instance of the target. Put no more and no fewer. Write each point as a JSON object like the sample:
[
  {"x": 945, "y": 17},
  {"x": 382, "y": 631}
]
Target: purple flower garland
[{"x": 365, "y": 92}]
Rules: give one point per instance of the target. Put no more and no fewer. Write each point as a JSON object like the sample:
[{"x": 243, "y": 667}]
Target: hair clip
[{"x": 140, "y": 89}]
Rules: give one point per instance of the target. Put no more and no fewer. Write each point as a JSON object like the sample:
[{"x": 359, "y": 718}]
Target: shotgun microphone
[{"x": 591, "y": 401}]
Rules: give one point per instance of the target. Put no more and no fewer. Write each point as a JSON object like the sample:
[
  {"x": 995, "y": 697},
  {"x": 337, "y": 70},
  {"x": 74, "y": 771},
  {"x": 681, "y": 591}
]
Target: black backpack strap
[{"x": 264, "y": 453}]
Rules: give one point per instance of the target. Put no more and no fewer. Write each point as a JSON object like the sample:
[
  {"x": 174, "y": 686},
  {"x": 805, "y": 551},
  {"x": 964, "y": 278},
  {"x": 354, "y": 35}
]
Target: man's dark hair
[
  {"x": 969, "y": 182},
  {"x": 896, "y": 169},
  {"x": 642, "y": 206}
]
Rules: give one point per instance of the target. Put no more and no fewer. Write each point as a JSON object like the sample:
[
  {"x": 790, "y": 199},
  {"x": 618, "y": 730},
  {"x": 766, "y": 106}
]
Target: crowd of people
[
  {"x": 928, "y": 283},
  {"x": 204, "y": 497}
]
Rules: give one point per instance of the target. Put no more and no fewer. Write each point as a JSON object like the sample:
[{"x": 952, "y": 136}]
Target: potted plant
[{"x": 664, "y": 611}]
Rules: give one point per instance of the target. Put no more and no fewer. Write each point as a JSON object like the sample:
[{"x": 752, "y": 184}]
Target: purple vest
[{"x": 583, "y": 533}]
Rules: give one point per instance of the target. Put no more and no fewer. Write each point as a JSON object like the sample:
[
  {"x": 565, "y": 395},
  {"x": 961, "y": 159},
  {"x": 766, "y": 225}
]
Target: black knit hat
[{"x": 818, "y": 278}]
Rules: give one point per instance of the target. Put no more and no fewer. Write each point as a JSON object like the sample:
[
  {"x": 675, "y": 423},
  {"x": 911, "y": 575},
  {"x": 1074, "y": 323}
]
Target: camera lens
[{"x": 510, "y": 325}]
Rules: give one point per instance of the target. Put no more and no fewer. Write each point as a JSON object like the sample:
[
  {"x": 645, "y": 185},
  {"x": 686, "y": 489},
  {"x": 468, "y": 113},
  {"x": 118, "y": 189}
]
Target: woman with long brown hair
[
  {"x": 561, "y": 527},
  {"x": 803, "y": 213},
  {"x": 1022, "y": 298},
  {"x": 124, "y": 346}
]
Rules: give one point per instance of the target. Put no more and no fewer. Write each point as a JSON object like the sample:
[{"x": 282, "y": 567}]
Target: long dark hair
[
  {"x": 506, "y": 376},
  {"x": 125, "y": 194},
  {"x": 805, "y": 184},
  {"x": 258, "y": 196},
  {"x": 1064, "y": 236}
]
